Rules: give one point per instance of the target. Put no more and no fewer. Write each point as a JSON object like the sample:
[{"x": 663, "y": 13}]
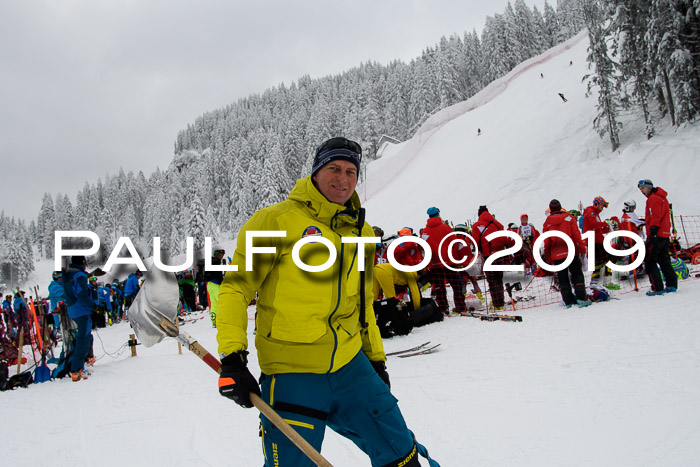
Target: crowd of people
[{"x": 654, "y": 229}]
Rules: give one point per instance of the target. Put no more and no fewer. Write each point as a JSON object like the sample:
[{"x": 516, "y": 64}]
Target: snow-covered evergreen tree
[{"x": 603, "y": 78}]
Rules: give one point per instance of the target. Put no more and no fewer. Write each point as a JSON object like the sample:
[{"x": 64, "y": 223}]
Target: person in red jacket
[
  {"x": 407, "y": 253},
  {"x": 591, "y": 221},
  {"x": 438, "y": 274},
  {"x": 485, "y": 226},
  {"x": 657, "y": 219},
  {"x": 556, "y": 251}
]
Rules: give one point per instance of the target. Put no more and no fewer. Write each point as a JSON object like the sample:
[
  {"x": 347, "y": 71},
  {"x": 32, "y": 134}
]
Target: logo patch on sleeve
[{"x": 312, "y": 231}]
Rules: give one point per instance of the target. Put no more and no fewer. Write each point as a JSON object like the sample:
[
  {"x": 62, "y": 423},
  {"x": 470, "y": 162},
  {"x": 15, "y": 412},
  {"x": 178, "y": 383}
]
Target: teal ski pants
[{"x": 354, "y": 402}]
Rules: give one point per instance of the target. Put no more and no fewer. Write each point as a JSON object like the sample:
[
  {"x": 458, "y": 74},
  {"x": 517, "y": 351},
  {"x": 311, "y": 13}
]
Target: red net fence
[{"x": 524, "y": 290}]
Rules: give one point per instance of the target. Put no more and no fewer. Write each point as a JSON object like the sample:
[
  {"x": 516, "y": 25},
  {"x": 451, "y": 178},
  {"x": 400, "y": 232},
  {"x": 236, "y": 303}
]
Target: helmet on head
[
  {"x": 56, "y": 275},
  {"x": 600, "y": 201},
  {"x": 630, "y": 205},
  {"x": 523, "y": 215},
  {"x": 405, "y": 232},
  {"x": 220, "y": 251},
  {"x": 461, "y": 228}
]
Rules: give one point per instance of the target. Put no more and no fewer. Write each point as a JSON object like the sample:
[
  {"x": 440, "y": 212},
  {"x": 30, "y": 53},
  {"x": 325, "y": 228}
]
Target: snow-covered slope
[
  {"x": 533, "y": 147},
  {"x": 615, "y": 384}
]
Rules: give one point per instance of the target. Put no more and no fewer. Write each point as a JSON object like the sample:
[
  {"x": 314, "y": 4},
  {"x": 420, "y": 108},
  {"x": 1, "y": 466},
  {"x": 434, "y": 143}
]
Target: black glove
[
  {"x": 653, "y": 232},
  {"x": 235, "y": 380},
  {"x": 380, "y": 368}
]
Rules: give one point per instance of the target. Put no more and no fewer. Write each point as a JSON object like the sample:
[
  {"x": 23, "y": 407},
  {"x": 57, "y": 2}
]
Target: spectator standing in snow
[
  {"x": 591, "y": 222},
  {"x": 485, "y": 226},
  {"x": 214, "y": 280},
  {"x": 380, "y": 254},
  {"x": 629, "y": 216},
  {"x": 407, "y": 253},
  {"x": 319, "y": 347},
  {"x": 657, "y": 219},
  {"x": 118, "y": 299},
  {"x": 529, "y": 234},
  {"x": 556, "y": 252},
  {"x": 80, "y": 309},
  {"x": 131, "y": 288},
  {"x": 465, "y": 255},
  {"x": 439, "y": 275},
  {"x": 187, "y": 292},
  {"x": 56, "y": 296},
  {"x": 631, "y": 222}
]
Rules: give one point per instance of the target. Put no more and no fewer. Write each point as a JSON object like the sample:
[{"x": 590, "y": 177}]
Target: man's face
[
  {"x": 336, "y": 181},
  {"x": 523, "y": 220},
  {"x": 646, "y": 191}
]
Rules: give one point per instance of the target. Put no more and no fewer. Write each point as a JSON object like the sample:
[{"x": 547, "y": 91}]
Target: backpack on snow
[
  {"x": 429, "y": 312},
  {"x": 391, "y": 319}
]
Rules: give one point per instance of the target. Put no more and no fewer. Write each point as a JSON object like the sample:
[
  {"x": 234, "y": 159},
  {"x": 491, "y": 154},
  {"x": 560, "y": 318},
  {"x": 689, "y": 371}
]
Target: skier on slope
[{"x": 318, "y": 344}]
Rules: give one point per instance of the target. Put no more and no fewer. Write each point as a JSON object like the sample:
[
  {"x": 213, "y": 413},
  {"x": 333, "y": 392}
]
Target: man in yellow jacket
[{"x": 319, "y": 348}]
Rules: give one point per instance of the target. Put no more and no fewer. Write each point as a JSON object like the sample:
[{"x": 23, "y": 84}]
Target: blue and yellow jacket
[{"x": 307, "y": 322}]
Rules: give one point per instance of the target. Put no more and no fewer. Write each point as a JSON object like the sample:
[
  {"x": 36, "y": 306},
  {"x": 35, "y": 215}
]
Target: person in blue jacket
[
  {"x": 8, "y": 314},
  {"x": 104, "y": 302},
  {"x": 131, "y": 288},
  {"x": 117, "y": 299},
  {"x": 80, "y": 308},
  {"x": 56, "y": 296}
]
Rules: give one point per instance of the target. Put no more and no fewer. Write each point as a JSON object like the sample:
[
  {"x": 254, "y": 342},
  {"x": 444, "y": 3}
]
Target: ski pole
[
  {"x": 685, "y": 235},
  {"x": 172, "y": 330}
]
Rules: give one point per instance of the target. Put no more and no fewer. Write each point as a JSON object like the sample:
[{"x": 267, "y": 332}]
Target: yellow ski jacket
[
  {"x": 386, "y": 277},
  {"x": 307, "y": 322}
]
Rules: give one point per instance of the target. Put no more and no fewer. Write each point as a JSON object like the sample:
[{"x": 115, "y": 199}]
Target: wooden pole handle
[{"x": 261, "y": 405}]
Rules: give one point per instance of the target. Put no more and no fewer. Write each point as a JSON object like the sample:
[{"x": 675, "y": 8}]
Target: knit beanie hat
[
  {"x": 433, "y": 212},
  {"x": 554, "y": 205},
  {"x": 337, "y": 149},
  {"x": 482, "y": 209}
]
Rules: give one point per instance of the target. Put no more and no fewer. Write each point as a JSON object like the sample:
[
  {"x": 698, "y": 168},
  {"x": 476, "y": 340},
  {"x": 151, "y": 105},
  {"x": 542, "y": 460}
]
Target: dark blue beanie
[{"x": 337, "y": 149}]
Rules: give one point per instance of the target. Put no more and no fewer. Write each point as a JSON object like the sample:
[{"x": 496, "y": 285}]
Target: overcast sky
[{"x": 89, "y": 86}]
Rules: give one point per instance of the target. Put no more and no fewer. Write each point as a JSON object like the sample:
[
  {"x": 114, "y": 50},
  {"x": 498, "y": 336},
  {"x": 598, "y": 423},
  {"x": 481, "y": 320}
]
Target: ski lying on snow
[
  {"x": 424, "y": 351},
  {"x": 492, "y": 316},
  {"x": 412, "y": 349}
]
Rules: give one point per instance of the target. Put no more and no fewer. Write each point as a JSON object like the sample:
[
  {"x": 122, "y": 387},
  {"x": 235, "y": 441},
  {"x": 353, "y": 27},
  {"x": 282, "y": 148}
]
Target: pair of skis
[
  {"x": 423, "y": 349},
  {"x": 492, "y": 316}
]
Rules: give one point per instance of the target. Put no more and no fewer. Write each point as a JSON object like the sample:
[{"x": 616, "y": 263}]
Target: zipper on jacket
[{"x": 337, "y": 304}]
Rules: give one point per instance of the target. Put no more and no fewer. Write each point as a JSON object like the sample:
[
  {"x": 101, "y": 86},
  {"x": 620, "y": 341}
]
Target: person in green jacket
[{"x": 319, "y": 348}]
